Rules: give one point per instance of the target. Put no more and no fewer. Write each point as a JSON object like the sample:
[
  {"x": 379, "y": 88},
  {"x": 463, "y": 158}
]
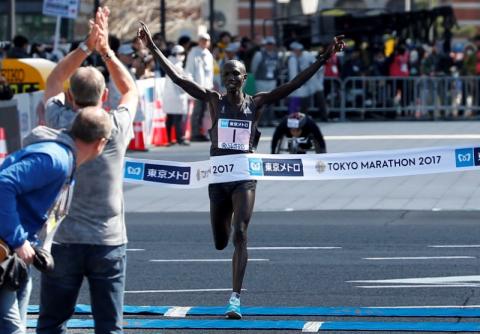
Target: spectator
[
  {"x": 33, "y": 180},
  {"x": 469, "y": 70},
  {"x": 6, "y": 93},
  {"x": 265, "y": 67},
  {"x": 299, "y": 60},
  {"x": 38, "y": 51},
  {"x": 185, "y": 41},
  {"x": 200, "y": 66},
  {"x": 20, "y": 48},
  {"x": 91, "y": 242},
  {"x": 317, "y": 91},
  {"x": 224, "y": 40},
  {"x": 175, "y": 100}
]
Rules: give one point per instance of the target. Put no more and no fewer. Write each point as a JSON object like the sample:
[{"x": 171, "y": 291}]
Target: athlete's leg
[
  {"x": 221, "y": 210},
  {"x": 243, "y": 202}
]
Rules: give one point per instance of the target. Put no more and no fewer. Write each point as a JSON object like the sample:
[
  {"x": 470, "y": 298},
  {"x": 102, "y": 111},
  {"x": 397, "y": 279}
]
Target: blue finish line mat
[
  {"x": 172, "y": 311},
  {"x": 304, "y": 326}
]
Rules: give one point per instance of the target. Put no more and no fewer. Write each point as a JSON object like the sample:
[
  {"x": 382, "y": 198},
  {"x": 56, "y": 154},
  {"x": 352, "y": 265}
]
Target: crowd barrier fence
[
  {"x": 423, "y": 97},
  {"x": 354, "y": 97}
]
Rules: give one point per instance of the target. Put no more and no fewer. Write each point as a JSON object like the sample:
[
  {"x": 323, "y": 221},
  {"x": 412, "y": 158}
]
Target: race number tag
[{"x": 234, "y": 134}]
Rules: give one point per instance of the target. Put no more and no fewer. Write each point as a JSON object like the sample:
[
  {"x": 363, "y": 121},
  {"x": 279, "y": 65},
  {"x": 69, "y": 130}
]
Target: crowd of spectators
[{"x": 270, "y": 63}]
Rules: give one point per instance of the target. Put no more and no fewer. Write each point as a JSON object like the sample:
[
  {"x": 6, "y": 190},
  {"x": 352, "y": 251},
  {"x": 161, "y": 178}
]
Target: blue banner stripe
[
  {"x": 299, "y": 311},
  {"x": 282, "y": 325}
]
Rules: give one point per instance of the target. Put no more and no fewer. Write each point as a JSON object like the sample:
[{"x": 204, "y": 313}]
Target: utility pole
[
  {"x": 252, "y": 19},
  {"x": 163, "y": 19},
  {"x": 212, "y": 18},
  {"x": 12, "y": 24}
]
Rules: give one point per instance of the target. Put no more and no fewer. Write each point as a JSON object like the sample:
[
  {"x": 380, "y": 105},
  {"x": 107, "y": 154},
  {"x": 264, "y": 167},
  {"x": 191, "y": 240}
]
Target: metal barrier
[{"x": 401, "y": 98}]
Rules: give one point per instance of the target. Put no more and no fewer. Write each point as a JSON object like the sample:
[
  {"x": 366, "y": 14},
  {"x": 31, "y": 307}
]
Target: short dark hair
[
  {"x": 20, "y": 41},
  {"x": 91, "y": 124}
]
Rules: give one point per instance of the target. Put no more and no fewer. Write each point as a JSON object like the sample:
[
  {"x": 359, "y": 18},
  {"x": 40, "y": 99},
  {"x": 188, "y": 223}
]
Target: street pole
[
  {"x": 163, "y": 19},
  {"x": 408, "y": 5},
  {"x": 212, "y": 18},
  {"x": 252, "y": 19},
  {"x": 12, "y": 26}
]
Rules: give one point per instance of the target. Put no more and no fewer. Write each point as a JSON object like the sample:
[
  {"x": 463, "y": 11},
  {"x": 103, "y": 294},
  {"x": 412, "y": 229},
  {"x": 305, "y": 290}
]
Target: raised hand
[
  {"x": 336, "y": 45},
  {"x": 101, "y": 22},
  {"x": 145, "y": 35}
]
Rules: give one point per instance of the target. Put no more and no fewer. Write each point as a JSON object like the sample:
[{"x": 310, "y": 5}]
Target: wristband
[
  {"x": 108, "y": 56},
  {"x": 82, "y": 46}
]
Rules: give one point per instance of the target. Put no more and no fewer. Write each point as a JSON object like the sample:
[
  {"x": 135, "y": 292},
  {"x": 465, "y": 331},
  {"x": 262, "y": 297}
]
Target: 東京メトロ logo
[
  {"x": 282, "y": 167},
  {"x": 255, "y": 167},
  {"x": 133, "y": 170},
  {"x": 464, "y": 157}
]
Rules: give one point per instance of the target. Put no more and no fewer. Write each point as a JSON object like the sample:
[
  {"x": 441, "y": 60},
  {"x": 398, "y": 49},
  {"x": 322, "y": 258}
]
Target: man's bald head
[
  {"x": 230, "y": 64},
  {"x": 91, "y": 124},
  {"x": 87, "y": 85}
]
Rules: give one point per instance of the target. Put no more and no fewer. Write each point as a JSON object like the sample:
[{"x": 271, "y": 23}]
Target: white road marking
[
  {"x": 419, "y": 258},
  {"x": 312, "y": 326},
  {"x": 206, "y": 260},
  {"x": 422, "y": 282},
  {"x": 454, "y": 246},
  {"x": 135, "y": 249},
  {"x": 425, "y": 306},
  {"x": 177, "y": 312},
  {"x": 426, "y": 280},
  {"x": 419, "y": 286},
  {"x": 290, "y": 248},
  {"x": 180, "y": 291}
]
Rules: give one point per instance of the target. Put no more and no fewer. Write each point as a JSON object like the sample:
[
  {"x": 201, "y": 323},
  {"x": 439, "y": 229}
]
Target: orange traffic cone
[
  {"x": 159, "y": 132},
  {"x": 3, "y": 145},
  {"x": 138, "y": 142}
]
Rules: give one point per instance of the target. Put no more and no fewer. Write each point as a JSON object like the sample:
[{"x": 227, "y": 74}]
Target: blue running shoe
[{"x": 233, "y": 309}]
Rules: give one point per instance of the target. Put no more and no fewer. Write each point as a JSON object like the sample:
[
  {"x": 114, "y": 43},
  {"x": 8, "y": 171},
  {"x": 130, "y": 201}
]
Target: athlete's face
[{"x": 233, "y": 75}]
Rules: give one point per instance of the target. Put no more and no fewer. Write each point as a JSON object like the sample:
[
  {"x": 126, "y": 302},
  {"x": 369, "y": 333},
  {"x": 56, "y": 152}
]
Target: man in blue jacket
[{"x": 33, "y": 181}]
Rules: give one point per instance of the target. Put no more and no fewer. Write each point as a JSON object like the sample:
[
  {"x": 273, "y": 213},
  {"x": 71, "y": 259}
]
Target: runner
[{"x": 235, "y": 116}]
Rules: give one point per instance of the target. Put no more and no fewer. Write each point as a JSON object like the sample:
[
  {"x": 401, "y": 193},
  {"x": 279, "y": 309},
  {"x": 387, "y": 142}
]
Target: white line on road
[
  {"x": 454, "y": 246},
  {"x": 290, "y": 248},
  {"x": 135, "y": 249},
  {"x": 419, "y": 258},
  {"x": 425, "y": 280},
  {"x": 206, "y": 260},
  {"x": 180, "y": 291},
  {"x": 419, "y": 286},
  {"x": 427, "y": 306}
]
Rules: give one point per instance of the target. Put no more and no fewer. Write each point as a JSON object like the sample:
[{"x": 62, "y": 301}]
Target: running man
[{"x": 231, "y": 203}]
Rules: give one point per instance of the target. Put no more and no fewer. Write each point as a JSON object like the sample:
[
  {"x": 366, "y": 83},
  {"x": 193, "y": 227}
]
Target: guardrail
[{"x": 405, "y": 98}]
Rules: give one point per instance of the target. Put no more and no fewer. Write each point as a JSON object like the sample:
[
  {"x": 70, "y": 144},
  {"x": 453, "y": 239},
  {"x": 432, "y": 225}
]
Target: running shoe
[{"x": 233, "y": 309}]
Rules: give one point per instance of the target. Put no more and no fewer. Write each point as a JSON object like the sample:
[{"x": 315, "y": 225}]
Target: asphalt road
[
  {"x": 422, "y": 249},
  {"x": 351, "y": 251}
]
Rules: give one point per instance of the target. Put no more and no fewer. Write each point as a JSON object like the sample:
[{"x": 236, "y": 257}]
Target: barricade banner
[{"x": 336, "y": 166}]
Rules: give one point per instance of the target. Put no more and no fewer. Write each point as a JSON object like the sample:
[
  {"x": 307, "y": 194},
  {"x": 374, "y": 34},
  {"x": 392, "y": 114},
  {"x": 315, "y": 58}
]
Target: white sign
[{"x": 62, "y": 8}]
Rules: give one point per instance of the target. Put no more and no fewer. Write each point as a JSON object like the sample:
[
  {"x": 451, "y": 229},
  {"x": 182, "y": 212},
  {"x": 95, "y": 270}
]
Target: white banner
[{"x": 334, "y": 166}]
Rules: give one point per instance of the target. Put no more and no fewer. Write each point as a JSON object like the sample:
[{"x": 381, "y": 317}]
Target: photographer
[{"x": 303, "y": 130}]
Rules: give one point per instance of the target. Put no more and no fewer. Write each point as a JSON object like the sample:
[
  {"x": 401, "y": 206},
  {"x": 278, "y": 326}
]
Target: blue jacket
[{"x": 30, "y": 180}]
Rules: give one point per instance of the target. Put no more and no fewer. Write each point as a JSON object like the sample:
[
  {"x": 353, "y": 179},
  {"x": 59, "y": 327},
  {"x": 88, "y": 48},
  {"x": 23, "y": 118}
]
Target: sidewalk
[{"x": 450, "y": 191}]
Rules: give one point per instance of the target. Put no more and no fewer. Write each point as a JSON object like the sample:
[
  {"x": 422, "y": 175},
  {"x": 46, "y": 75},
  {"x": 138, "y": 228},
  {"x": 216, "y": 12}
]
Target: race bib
[{"x": 234, "y": 134}]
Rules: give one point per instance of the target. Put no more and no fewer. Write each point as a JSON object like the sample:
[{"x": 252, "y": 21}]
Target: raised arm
[
  {"x": 191, "y": 87},
  {"x": 118, "y": 72},
  {"x": 301, "y": 78},
  {"x": 67, "y": 65}
]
